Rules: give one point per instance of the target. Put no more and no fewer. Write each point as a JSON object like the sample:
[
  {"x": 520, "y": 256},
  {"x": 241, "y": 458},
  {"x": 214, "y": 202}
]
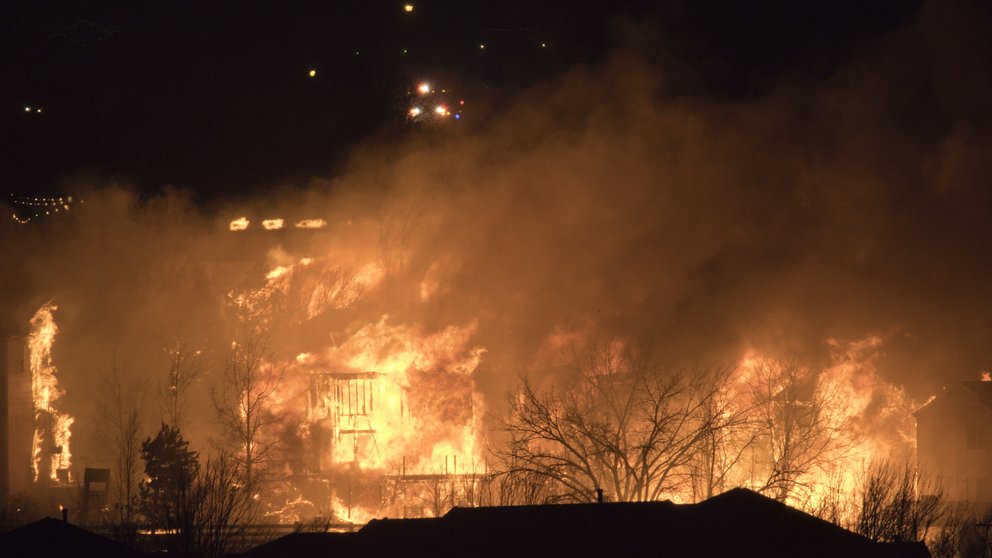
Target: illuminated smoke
[{"x": 837, "y": 221}]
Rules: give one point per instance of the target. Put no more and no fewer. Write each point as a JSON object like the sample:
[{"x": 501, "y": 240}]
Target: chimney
[{"x": 599, "y": 495}]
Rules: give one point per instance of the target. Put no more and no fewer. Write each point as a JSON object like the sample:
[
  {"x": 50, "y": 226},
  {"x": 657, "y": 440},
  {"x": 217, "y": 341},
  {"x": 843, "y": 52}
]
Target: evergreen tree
[{"x": 170, "y": 469}]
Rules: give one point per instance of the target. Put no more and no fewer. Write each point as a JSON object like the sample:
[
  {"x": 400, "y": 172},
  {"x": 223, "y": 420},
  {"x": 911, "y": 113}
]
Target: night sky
[{"x": 215, "y": 97}]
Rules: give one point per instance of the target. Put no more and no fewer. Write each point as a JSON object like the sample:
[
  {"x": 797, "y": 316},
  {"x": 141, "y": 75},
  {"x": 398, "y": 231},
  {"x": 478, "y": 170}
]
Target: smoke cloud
[{"x": 594, "y": 205}]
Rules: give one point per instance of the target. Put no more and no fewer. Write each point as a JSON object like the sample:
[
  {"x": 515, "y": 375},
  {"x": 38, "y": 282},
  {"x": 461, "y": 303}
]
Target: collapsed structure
[{"x": 364, "y": 453}]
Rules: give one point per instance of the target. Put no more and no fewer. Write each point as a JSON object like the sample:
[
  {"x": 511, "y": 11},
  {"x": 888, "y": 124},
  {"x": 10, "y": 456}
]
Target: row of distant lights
[
  {"x": 44, "y": 206},
  {"x": 29, "y": 108},
  {"x": 242, "y": 223}
]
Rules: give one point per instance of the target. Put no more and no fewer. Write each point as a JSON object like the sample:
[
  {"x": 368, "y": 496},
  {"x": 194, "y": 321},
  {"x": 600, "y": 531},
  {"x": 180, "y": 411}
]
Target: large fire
[
  {"x": 830, "y": 425},
  {"x": 50, "y": 448},
  {"x": 391, "y": 410},
  {"x": 393, "y": 402},
  {"x": 384, "y": 417}
]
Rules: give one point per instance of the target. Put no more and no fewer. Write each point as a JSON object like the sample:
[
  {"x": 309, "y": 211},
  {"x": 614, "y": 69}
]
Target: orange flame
[
  {"x": 388, "y": 399},
  {"x": 51, "y": 425},
  {"x": 869, "y": 418}
]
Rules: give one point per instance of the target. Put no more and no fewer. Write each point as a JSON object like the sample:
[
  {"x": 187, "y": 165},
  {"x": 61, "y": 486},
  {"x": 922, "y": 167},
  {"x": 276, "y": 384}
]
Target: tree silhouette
[{"x": 170, "y": 469}]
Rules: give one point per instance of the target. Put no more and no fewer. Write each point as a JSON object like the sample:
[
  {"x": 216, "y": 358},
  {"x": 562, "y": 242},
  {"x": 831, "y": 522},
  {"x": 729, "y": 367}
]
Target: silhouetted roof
[
  {"x": 738, "y": 523},
  {"x": 51, "y": 538},
  {"x": 979, "y": 390},
  {"x": 305, "y": 545}
]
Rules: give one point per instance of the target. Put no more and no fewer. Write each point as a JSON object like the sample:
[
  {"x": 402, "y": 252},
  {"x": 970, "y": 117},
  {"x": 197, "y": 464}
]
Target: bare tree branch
[
  {"x": 184, "y": 368},
  {"x": 118, "y": 431},
  {"x": 621, "y": 425},
  {"x": 243, "y": 401}
]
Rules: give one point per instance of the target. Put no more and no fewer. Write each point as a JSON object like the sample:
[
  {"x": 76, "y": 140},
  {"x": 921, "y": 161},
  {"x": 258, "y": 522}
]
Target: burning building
[
  {"x": 954, "y": 433},
  {"x": 597, "y": 207},
  {"x": 34, "y": 431}
]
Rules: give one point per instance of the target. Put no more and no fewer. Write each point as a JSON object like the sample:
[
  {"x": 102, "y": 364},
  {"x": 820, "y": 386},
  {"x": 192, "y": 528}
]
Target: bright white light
[
  {"x": 312, "y": 73},
  {"x": 27, "y": 109},
  {"x": 424, "y": 88},
  {"x": 415, "y": 112},
  {"x": 407, "y": 8},
  {"x": 440, "y": 110}
]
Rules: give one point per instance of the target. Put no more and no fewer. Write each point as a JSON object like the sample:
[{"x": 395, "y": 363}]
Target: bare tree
[
  {"x": 800, "y": 428},
  {"x": 723, "y": 448},
  {"x": 118, "y": 429},
  {"x": 217, "y": 508},
  {"x": 516, "y": 487},
  {"x": 243, "y": 401},
  {"x": 621, "y": 425},
  {"x": 898, "y": 503},
  {"x": 185, "y": 367}
]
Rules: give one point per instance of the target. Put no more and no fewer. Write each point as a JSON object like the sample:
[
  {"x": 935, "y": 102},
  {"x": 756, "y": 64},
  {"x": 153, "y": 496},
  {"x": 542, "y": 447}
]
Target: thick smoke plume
[{"x": 594, "y": 206}]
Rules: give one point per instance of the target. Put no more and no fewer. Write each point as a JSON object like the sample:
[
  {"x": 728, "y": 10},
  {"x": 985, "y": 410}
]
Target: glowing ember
[
  {"x": 50, "y": 448},
  {"x": 239, "y": 224},
  {"x": 311, "y": 224}
]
